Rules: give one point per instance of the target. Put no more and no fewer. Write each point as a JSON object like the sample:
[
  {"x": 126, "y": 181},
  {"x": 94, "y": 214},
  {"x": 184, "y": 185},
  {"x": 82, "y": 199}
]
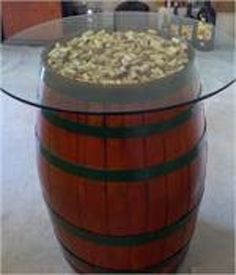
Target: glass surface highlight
[{"x": 210, "y": 71}]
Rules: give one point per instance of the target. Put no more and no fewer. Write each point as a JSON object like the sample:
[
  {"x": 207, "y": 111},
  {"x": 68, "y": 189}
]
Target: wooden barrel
[{"x": 123, "y": 191}]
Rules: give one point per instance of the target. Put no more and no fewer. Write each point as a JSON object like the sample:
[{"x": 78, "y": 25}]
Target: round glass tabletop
[{"x": 26, "y": 77}]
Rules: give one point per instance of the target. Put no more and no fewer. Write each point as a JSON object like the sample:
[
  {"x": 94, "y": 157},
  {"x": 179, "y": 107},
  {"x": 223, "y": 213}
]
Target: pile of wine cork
[{"x": 117, "y": 58}]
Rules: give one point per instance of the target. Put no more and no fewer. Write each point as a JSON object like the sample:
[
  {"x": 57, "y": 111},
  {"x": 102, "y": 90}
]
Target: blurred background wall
[{"x": 18, "y": 15}]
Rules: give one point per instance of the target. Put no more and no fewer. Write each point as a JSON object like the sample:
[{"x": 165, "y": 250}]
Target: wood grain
[
  {"x": 125, "y": 202},
  {"x": 20, "y": 15}
]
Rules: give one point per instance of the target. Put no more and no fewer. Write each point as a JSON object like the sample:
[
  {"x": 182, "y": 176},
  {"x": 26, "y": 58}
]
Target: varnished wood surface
[
  {"x": 20, "y": 15},
  {"x": 122, "y": 208}
]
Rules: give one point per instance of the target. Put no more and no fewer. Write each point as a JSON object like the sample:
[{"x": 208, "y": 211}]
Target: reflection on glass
[{"x": 212, "y": 70}]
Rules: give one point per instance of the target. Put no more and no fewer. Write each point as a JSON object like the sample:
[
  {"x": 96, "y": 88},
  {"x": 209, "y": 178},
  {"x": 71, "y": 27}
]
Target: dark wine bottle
[
  {"x": 189, "y": 8},
  {"x": 207, "y": 13},
  {"x": 205, "y": 30},
  {"x": 176, "y": 7}
]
